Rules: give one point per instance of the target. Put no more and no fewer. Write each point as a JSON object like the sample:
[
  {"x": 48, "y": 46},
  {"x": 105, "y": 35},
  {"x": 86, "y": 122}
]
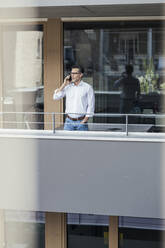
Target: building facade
[{"x": 104, "y": 188}]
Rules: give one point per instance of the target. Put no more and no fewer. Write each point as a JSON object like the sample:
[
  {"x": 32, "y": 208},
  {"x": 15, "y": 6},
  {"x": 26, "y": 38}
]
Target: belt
[{"x": 76, "y": 119}]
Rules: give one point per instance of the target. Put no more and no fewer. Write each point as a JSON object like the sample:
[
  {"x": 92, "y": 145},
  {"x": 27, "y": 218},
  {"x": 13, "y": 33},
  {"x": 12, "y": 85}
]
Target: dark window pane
[
  {"x": 87, "y": 236},
  {"x": 140, "y": 238}
]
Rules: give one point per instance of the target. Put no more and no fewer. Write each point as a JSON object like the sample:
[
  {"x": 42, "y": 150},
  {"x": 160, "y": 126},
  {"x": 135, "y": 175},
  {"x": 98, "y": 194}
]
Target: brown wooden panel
[
  {"x": 55, "y": 230},
  {"x": 53, "y": 68},
  {"x": 113, "y": 232}
]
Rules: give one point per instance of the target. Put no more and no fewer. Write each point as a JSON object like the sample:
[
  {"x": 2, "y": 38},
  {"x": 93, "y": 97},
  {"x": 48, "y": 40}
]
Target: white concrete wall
[{"x": 82, "y": 176}]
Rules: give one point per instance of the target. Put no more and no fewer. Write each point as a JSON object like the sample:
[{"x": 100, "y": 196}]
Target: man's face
[{"x": 76, "y": 75}]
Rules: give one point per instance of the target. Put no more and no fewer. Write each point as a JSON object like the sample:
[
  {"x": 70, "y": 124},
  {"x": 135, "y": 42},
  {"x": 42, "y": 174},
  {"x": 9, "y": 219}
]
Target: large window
[
  {"x": 92, "y": 230},
  {"x": 104, "y": 48},
  {"x": 22, "y": 74}
]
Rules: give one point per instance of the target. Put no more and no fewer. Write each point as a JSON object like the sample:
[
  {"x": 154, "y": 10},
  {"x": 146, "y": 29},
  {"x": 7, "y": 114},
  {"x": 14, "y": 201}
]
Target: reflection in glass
[
  {"x": 22, "y": 75},
  {"x": 87, "y": 230},
  {"x": 87, "y": 236},
  {"x": 24, "y": 229},
  {"x": 139, "y": 238},
  {"x": 104, "y": 50}
]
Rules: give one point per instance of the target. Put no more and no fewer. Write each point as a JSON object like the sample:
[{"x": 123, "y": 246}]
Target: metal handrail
[
  {"x": 95, "y": 114},
  {"x": 54, "y": 114}
]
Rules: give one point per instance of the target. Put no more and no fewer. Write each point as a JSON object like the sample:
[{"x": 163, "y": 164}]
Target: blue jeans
[{"x": 75, "y": 125}]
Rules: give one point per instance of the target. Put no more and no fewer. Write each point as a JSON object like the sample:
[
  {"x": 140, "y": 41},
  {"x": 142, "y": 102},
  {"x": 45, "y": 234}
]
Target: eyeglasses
[{"x": 75, "y": 73}]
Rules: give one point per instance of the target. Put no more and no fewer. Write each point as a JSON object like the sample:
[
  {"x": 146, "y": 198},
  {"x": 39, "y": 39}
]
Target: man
[
  {"x": 79, "y": 100},
  {"x": 130, "y": 90}
]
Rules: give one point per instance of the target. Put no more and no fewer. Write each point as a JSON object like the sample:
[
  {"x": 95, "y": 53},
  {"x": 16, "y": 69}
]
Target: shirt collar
[{"x": 81, "y": 82}]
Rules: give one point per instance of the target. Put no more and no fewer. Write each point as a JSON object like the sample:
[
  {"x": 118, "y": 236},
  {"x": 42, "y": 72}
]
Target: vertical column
[
  {"x": 101, "y": 46},
  {"x": 53, "y": 68},
  {"x": 1, "y": 79},
  {"x": 149, "y": 44},
  {"x": 2, "y": 229},
  {"x": 55, "y": 230},
  {"x": 55, "y": 225},
  {"x": 113, "y": 232},
  {"x": 149, "y": 54}
]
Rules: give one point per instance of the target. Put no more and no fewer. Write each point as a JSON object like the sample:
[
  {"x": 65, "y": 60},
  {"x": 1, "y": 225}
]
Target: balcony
[{"x": 94, "y": 172}]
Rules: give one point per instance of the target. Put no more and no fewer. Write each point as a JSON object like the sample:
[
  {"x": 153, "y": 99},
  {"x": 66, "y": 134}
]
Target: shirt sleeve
[
  {"x": 118, "y": 83},
  {"x": 91, "y": 103},
  {"x": 58, "y": 95}
]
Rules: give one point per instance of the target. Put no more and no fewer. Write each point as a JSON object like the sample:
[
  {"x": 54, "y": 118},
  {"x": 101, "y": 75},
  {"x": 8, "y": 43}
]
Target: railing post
[
  {"x": 126, "y": 124},
  {"x": 53, "y": 120}
]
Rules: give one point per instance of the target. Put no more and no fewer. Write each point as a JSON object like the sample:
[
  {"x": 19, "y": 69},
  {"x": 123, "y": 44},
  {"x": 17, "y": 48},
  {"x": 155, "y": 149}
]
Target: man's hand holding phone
[{"x": 67, "y": 80}]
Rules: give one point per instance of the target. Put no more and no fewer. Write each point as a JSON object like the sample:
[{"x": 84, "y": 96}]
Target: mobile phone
[{"x": 70, "y": 79}]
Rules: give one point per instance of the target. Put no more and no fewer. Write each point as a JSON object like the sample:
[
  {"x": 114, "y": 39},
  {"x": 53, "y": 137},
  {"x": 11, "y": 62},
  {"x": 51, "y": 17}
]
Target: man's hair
[
  {"x": 78, "y": 67},
  {"x": 129, "y": 69}
]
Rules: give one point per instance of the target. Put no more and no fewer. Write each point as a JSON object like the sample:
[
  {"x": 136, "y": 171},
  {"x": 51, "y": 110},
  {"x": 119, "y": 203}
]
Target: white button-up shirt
[{"x": 80, "y": 99}]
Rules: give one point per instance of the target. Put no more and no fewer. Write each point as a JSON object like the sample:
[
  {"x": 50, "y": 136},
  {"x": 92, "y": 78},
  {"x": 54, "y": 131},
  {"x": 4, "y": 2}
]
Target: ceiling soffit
[{"x": 85, "y": 11}]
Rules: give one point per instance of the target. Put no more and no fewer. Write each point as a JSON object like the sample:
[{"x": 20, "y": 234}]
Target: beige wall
[
  {"x": 2, "y": 229},
  {"x": 1, "y": 87}
]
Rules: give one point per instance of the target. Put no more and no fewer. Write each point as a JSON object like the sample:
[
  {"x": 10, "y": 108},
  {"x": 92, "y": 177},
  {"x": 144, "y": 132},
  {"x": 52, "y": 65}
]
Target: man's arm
[
  {"x": 91, "y": 105},
  {"x": 85, "y": 120},
  {"x": 118, "y": 82},
  {"x": 60, "y": 93},
  {"x": 138, "y": 89}
]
